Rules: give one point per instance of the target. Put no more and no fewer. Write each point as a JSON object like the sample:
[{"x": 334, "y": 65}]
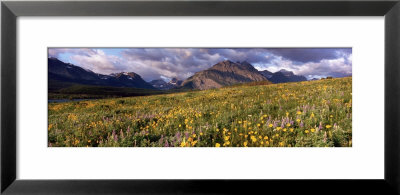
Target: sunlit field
[{"x": 302, "y": 114}]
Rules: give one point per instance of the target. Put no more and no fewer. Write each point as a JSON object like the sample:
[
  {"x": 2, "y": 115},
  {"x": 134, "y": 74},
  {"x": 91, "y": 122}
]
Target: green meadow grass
[{"x": 302, "y": 114}]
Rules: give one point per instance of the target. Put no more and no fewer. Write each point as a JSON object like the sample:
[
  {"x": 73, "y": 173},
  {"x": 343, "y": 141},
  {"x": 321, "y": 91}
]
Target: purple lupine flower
[
  {"x": 283, "y": 120},
  {"x": 320, "y": 126},
  {"x": 186, "y": 135},
  {"x": 121, "y": 133},
  {"x": 116, "y": 138},
  {"x": 301, "y": 124},
  {"x": 178, "y": 136},
  {"x": 128, "y": 130},
  {"x": 166, "y": 144}
]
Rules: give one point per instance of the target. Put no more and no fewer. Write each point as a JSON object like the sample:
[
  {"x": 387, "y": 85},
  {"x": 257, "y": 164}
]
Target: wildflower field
[{"x": 302, "y": 114}]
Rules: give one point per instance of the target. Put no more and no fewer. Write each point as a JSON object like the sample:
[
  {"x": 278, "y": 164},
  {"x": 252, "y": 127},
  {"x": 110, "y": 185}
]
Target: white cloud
[{"x": 99, "y": 62}]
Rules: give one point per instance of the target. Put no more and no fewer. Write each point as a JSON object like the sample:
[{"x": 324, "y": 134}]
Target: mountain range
[
  {"x": 161, "y": 84},
  {"x": 282, "y": 76},
  {"x": 61, "y": 75}
]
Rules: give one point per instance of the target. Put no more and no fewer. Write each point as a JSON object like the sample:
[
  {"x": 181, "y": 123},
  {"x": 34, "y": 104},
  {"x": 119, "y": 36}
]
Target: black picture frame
[{"x": 10, "y": 10}]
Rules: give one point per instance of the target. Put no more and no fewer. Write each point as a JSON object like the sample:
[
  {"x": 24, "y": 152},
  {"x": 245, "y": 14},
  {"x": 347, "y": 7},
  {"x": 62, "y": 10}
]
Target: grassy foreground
[{"x": 304, "y": 114}]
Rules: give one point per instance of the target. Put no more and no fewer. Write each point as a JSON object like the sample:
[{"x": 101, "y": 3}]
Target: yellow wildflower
[
  {"x": 183, "y": 144},
  {"x": 50, "y": 126}
]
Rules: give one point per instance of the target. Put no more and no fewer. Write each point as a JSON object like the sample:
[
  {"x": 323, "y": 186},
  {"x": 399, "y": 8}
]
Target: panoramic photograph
[{"x": 199, "y": 97}]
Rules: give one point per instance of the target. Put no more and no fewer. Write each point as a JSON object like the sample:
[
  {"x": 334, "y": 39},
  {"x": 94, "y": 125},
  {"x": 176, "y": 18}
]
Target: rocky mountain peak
[
  {"x": 286, "y": 72},
  {"x": 222, "y": 74}
]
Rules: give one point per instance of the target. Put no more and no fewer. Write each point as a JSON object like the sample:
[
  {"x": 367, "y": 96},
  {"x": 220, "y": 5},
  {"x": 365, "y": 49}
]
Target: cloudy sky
[{"x": 166, "y": 63}]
